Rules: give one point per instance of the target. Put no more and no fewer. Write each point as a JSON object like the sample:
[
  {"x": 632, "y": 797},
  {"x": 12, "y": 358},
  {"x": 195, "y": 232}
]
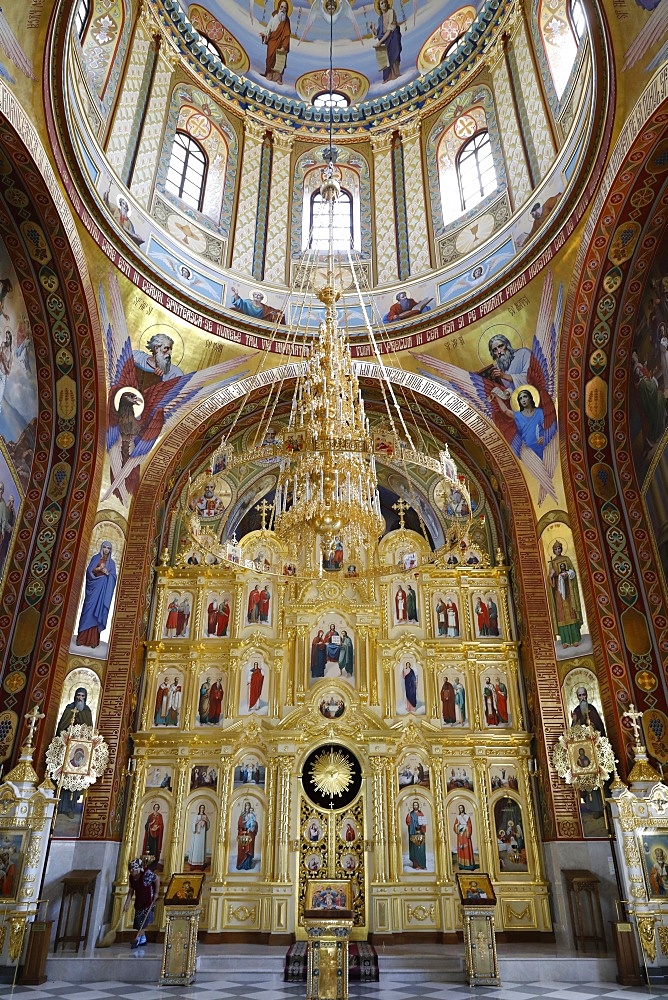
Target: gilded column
[
  {"x": 441, "y": 826},
  {"x": 514, "y": 152},
  {"x": 219, "y": 860},
  {"x": 149, "y": 690},
  {"x": 120, "y": 136},
  {"x": 244, "y": 235},
  {"x": 182, "y": 782},
  {"x": 396, "y": 865},
  {"x": 384, "y": 211},
  {"x": 132, "y": 819},
  {"x": 362, "y": 671},
  {"x": 278, "y": 225},
  {"x": 282, "y": 838},
  {"x": 379, "y": 818},
  {"x": 275, "y": 709},
  {"x": 292, "y": 668},
  {"x": 302, "y": 662},
  {"x": 372, "y": 664},
  {"x": 481, "y": 765},
  {"x": 149, "y": 138},
  {"x": 271, "y": 814},
  {"x": 415, "y": 187},
  {"x": 388, "y": 709}
]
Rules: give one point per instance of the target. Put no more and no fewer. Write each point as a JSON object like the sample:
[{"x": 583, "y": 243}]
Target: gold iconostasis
[{"x": 406, "y": 676}]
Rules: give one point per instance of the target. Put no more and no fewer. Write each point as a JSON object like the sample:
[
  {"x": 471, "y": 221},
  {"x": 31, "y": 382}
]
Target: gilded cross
[
  {"x": 33, "y": 717},
  {"x": 401, "y": 507},
  {"x": 263, "y": 509},
  {"x": 634, "y": 716}
]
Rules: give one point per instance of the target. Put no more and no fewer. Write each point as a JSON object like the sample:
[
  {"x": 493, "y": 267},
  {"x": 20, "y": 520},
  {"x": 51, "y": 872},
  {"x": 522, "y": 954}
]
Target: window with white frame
[
  {"x": 341, "y": 221},
  {"x": 475, "y": 170},
  {"x": 186, "y": 173}
]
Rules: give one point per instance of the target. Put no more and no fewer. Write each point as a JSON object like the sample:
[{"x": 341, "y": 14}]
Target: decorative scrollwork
[
  {"x": 583, "y": 758},
  {"x": 647, "y": 936},
  {"x": 77, "y": 758},
  {"x": 420, "y": 913}
]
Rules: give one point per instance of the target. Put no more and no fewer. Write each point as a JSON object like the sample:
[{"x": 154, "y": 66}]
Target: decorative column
[
  {"x": 481, "y": 765},
  {"x": 244, "y": 235},
  {"x": 378, "y": 796},
  {"x": 441, "y": 826},
  {"x": 275, "y": 709},
  {"x": 176, "y": 852},
  {"x": 282, "y": 836},
  {"x": 272, "y": 767},
  {"x": 303, "y": 666},
  {"x": 137, "y": 779},
  {"x": 514, "y": 150},
  {"x": 372, "y": 664},
  {"x": 415, "y": 187},
  {"x": 362, "y": 672},
  {"x": 529, "y": 95},
  {"x": 384, "y": 210},
  {"x": 219, "y": 859},
  {"x": 278, "y": 225},
  {"x": 120, "y": 136},
  {"x": 151, "y": 127}
]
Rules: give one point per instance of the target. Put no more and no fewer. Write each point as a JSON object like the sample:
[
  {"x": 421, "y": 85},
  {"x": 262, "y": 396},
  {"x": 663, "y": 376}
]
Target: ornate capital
[
  {"x": 410, "y": 129},
  {"x": 381, "y": 142},
  {"x": 254, "y": 128},
  {"x": 283, "y": 141}
]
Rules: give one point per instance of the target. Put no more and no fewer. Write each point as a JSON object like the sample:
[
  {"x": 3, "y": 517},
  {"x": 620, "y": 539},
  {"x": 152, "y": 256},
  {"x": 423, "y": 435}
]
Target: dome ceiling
[{"x": 426, "y": 31}]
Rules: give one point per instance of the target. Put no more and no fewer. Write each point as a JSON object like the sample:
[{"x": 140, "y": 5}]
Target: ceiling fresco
[{"x": 251, "y": 33}]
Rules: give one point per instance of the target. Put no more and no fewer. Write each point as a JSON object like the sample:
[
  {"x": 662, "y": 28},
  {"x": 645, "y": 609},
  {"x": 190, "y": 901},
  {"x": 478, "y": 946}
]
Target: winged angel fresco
[
  {"x": 516, "y": 392},
  {"x": 12, "y": 49},
  {"x": 137, "y": 417}
]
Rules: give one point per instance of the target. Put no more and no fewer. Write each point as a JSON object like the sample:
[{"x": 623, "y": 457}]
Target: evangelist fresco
[{"x": 515, "y": 388}]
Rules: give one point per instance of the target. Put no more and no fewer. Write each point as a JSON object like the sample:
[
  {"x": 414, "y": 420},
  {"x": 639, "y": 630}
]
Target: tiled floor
[{"x": 213, "y": 988}]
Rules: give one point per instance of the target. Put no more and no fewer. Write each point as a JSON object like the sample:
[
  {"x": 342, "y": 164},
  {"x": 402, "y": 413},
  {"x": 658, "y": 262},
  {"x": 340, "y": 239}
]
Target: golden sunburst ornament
[{"x": 332, "y": 773}]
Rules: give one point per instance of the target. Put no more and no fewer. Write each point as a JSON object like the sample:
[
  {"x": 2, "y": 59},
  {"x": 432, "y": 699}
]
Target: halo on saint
[
  {"x": 376, "y": 4},
  {"x": 137, "y": 407},
  {"x": 123, "y": 198},
  {"x": 256, "y": 293},
  {"x": 498, "y": 330},
  {"x": 278, "y": 3},
  {"x": 516, "y": 393},
  {"x": 664, "y": 851},
  {"x": 170, "y": 332}
]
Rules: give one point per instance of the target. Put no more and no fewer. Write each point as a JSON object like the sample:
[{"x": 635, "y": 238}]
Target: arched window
[
  {"x": 210, "y": 47},
  {"x": 81, "y": 16},
  {"x": 333, "y": 100},
  {"x": 342, "y": 222},
  {"x": 578, "y": 19},
  {"x": 187, "y": 170},
  {"x": 475, "y": 170}
]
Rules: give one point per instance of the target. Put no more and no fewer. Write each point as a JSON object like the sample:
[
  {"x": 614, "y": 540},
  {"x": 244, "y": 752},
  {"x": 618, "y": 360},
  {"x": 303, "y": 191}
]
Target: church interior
[{"x": 334, "y": 477}]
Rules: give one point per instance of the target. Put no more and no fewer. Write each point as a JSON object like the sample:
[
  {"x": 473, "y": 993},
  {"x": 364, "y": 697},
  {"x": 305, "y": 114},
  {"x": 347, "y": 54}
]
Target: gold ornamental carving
[
  {"x": 420, "y": 913},
  {"x": 242, "y": 914},
  {"x": 631, "y": 854},
  {"x": 521, "y": 915},
  {"x": 647, "y": 936},
  {"x": 663, "y": 940},
  {"x": 583, "y": 758},
  {"x": 17, "y": 926}
]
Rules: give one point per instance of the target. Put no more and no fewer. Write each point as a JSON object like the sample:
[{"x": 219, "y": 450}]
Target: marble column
[
  {"x": 277, "y": 252},
  {"x": 384, "y": 211},
  {"x": 415, "y": 187},
  {"x": 244, "y": 234}
]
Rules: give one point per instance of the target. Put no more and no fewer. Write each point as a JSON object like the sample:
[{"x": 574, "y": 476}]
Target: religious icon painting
[
  {"x": 332, "y": 554},
  {"x": 199, "y": 835},
  {"x": 654, "y": 852},
  {"x": 203, "y": 776},
  {"x": 509, "y": 827},
  {"x": 452, "y": 693},
  {"x": 486, "y": 621},
  {"x": 254, "y": 697},
  {"x": 416, "y": 834},
  {"x": 495, "y": 698},
  {"x": 11, "y": 865},
  {"x": 458, "y": 776},
  {"x": 333, "y": 650},
  {"x": 313, "y": 831},
  {"x": 462, "y": 824},
  {"x": 313, "y": 862},
  {"x": 153, "y": 831},
  {"x": 332, "y": 706},
  {"x": 216, "y": 621},
  {"x": 81, "y": 693},
  {"x": 246, "y": 836},
  {"x": 249, "y": 771},
  {"x": 93, "y": 630},
  {"x": 210, "y": 696},
  {"x": 259, "y": 603},
  {"x": 404, "y": 604},
  {"x": 413, "y": 771},
  {"x": 446, "y": 616},
  {"x": 159, "y": 776},
  {"x": 349, "y": 863},
  {"x": 348, "y": 830},
  {"x": 177, "y": 618},
  {"x": 168, "y": 699},
  {"x": 409, "y": 679},
  {"x": 503, "y": 776}
]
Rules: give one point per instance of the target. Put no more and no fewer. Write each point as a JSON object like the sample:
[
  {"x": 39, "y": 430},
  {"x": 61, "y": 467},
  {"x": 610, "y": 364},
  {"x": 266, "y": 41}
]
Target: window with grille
[
  {"x": 475, "y": 170},
  {"x": 81, "y": 15},
  {"x": 333, "y": 100},
  {"x": 210, "y": 47},
  {"x": 342, "y": 222},
  {"x": 187, "y": 170},
  {"x": 578, "y": 19}
]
